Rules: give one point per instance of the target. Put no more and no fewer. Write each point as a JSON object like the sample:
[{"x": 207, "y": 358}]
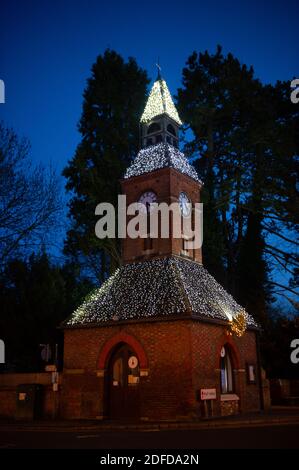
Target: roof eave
[{"x": 157, "y": 318}]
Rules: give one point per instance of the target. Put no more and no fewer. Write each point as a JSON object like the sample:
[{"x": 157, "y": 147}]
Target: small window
[
  {"x": 158, "y": 138},
  {"x": 226, "y": 371},
  {"x": 154, "y": 127},
  {"x": 171, "y": 130},
  {"x": 169, "y": 140}
]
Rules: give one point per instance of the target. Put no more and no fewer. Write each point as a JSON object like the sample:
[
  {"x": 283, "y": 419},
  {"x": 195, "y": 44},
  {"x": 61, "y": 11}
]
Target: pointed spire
[{"x": 159, "y": 102}]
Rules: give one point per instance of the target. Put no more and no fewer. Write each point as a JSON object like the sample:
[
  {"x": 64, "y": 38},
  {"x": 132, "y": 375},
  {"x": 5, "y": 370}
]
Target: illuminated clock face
[
  {"x": 185, "y": 204},
  {"x": 146, "y": 199}
]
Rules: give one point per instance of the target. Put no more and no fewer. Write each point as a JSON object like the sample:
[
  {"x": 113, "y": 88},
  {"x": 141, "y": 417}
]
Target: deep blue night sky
[{"x": 48, "y": 47}]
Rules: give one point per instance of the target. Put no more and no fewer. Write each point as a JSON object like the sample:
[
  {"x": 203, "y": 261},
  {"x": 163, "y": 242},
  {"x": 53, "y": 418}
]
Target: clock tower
[
  {"x": 161, "y": 173},
  {"x": 160, "y": 339}
]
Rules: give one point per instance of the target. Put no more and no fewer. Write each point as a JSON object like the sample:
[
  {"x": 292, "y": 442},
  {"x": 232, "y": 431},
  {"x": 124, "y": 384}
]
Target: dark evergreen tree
[
  {"x": 113, "y": 102},
  {"x": 254, "y": 292},
  {"x": 213, "y": 249},
  {"x": 35, "y": 297},
  {"x": 244, "y": 144},
  {"x": 276, "y": 346},
  {"x": 212, "y": 103}
]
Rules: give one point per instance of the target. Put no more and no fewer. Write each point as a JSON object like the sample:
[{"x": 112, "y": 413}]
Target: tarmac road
[{"x": 251, "y": 437}]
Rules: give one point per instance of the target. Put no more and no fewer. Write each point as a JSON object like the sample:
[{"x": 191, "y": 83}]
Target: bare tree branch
[{"x": 30, "y": 203}]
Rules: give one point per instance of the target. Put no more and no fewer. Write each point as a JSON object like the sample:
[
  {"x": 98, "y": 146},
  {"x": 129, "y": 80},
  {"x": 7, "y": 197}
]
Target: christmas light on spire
[
  {"x": 160, "y": 156},
  {"x": 160, "y": 102}
]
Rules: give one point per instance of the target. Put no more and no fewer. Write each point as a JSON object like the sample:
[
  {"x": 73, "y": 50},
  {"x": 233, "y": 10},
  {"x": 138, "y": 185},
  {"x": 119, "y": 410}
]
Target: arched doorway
[{"x": 123, "y": 383}]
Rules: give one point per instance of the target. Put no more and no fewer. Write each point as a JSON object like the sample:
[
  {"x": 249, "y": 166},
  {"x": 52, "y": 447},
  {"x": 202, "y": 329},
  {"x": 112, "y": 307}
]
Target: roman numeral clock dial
[
  {"x": 146, "y": 199},
  {"x": 185, "y": 204}
]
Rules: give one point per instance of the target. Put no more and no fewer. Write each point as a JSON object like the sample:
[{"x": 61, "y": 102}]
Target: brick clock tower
[
  {"x": 160, "y": 339},
  {"x": 160, "y": 173}
]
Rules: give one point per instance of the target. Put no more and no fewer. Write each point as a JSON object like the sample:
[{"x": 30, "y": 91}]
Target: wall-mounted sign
[
  {"x": 133, "y": 362},
  {"x": 251, "y": 374},
  {"x": 132, "y": 379},
  {"x": 54, "y": 377},
  {"x": 22, "y": 396},
  {"x": 208, "y": 394}
]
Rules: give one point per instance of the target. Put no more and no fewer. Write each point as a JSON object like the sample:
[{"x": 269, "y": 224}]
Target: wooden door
[{"x": 123, "y": 393}]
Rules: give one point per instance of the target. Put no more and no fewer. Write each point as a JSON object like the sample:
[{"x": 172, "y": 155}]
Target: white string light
[
  {"x": 159, "y": 102},
  {"x": 159, "y": 156},
  {"x": 165, "y": 286},
  {"x": 158, "y": 288}
]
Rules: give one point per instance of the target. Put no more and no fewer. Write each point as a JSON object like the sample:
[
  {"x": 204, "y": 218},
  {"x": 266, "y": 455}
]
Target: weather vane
[{"x": 159, "y": 68}]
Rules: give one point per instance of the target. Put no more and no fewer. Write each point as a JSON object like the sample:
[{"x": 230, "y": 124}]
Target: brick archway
[
  {"x": 227, "y": 340},
  {"x": 122, "y": 338}
]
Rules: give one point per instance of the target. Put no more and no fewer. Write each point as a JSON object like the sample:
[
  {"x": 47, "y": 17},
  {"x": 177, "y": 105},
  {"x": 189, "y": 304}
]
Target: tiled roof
[
  {"x": 159, "y": 156},
  {"x": 157, "y": 288}
]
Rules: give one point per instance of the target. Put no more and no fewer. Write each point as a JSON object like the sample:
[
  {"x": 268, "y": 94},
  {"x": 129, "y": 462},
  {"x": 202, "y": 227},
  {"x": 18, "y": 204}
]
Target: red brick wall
[
  {"x": 165, "y": 391},
  {"x": 207, "y": 340},
  {"x": 183, "y": 356},
  {"x": 8, "y": 392},
  {"x": 167, "y": 183},
  {"x": 8, "y": 400}
]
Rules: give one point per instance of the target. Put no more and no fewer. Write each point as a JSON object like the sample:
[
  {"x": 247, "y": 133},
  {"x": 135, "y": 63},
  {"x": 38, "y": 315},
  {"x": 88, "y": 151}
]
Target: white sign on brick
[{"x": 208, "y": 394}]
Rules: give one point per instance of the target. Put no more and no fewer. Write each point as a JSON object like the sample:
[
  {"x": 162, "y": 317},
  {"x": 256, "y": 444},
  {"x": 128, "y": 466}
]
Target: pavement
[{"x": 276, "y": 416}]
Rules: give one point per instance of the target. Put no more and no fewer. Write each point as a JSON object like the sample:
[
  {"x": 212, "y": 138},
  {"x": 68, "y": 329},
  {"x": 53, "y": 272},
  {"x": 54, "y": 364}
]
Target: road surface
[{"x": 266, "y": 436}]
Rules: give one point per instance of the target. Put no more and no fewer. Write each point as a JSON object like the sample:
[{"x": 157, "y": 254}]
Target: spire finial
[{"x": 159, "y": 69}]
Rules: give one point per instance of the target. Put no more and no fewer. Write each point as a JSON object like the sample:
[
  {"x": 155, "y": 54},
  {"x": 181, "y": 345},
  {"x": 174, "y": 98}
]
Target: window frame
[{"x": 229, "y": 376}]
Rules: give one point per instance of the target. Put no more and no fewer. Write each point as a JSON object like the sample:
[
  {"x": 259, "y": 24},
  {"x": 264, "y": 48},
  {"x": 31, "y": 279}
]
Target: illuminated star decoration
[{"x": 237, "y": 324}]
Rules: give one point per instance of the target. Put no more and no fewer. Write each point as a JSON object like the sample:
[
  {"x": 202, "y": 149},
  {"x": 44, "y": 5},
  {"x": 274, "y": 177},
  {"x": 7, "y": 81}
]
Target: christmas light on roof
[
  {"x": 159, "y": 156},
  {"x": 156, "y": 288},
  {"x": 160, "y": 102}
]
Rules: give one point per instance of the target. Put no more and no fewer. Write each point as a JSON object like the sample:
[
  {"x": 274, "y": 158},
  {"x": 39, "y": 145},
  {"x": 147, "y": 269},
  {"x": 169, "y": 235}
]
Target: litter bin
[{"x": 29, "y": 401}]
